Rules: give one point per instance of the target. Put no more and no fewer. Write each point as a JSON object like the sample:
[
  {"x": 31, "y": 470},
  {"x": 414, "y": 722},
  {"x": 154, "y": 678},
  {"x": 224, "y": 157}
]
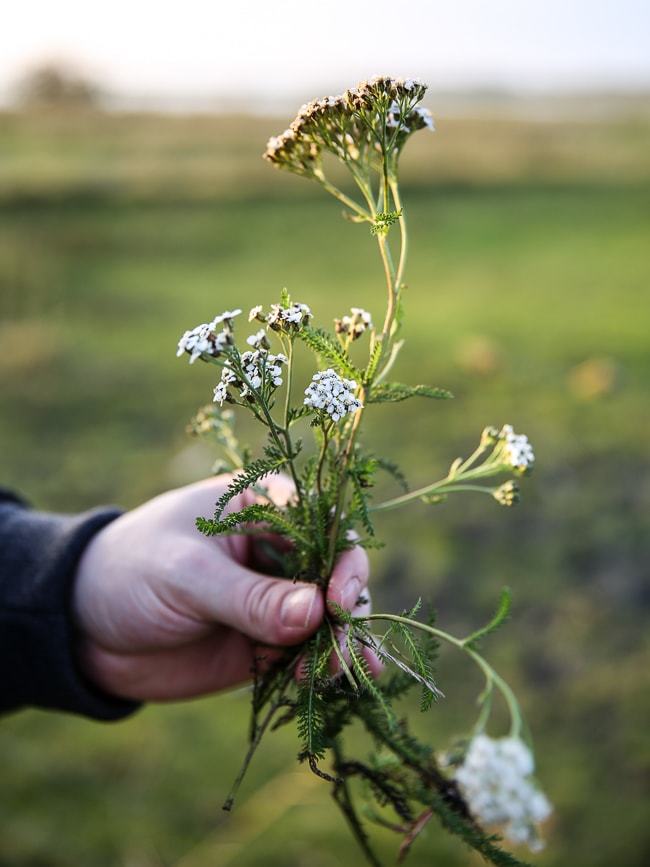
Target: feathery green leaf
[
  {"x": 327, "y": 348},
  {"x": 393, "y": 392},
  {"x": 500, "y": 616},
  {"x": 251, "y": 474}
]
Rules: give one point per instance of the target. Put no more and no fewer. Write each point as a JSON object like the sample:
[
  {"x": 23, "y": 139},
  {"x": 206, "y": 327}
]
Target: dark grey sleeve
[{"x": 39, "y": 554}]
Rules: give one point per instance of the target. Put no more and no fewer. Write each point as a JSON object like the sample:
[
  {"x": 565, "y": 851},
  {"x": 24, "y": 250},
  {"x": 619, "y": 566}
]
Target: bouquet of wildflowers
[{"x": 481, "y": 784}]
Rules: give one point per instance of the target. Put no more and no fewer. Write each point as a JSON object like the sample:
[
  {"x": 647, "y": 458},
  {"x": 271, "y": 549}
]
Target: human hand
[{"x": 165, "y": 613}]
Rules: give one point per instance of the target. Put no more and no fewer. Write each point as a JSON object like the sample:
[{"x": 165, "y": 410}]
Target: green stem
[
  {"x": 448, "y": 489},
  {"x": 345, "y": 458},
  {"x": 321, "y": 460},
  {"x": 285, "y": 448},
  {"x": 476, "y": 454},
  {"x": 491, "y": 676},
  {"x": 287, "y": 397},
  {"x": 389, "y": 274},
  {"x": 346, "y": 200},
  {"x": 399, "y": 276},
  {"x": 449, "y": 483}
]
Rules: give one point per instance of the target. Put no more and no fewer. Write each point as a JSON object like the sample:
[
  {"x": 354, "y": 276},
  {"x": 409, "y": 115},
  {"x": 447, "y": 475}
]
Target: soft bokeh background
[{"x": 121, "y": 225}]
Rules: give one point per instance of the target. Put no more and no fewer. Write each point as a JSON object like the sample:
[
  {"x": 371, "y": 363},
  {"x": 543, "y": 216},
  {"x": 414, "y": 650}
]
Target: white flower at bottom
[
  {"x": 495, "y": 780},
  {"x": 331, "y": 394}
]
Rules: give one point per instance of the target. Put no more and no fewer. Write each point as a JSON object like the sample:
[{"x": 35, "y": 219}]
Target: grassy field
[{"x": 528, "y": 297}]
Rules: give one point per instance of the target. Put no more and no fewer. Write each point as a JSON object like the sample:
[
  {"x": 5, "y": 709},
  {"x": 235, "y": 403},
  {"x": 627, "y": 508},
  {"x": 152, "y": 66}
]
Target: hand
[{"x": 166, "y": 613}]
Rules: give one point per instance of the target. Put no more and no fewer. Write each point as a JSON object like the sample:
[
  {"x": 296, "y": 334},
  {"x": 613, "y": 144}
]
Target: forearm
[{"x": 39, "y": 554}]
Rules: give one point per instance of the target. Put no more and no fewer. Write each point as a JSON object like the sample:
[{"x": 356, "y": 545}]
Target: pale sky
[{"x": 268, "y": 48}]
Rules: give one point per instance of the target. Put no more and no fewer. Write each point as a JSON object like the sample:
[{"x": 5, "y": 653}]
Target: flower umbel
[
  {"x": 204, "y": 341},
  {"x": 260, "y": 371},
  {"x": 517, "y": 451},
  {"x": 289, "y": 318},
  {"x": 331, "y": 394},
  {"x": 495, "y": 779}
]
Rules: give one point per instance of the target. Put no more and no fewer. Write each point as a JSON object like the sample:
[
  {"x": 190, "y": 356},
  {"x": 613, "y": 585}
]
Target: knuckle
[{"x": 260, "y": 601}]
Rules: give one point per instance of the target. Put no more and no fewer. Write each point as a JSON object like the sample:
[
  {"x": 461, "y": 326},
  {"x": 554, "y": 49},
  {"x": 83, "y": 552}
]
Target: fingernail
[
  {"x": 351, "y": 593},
  {"x": 297, "y": 607}
]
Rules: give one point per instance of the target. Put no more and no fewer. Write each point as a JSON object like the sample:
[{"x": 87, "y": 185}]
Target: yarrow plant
[{"x": 482, "y": 785}]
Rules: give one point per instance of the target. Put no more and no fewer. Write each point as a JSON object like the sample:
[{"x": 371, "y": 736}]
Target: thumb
[{"x": 268, "y": 610}]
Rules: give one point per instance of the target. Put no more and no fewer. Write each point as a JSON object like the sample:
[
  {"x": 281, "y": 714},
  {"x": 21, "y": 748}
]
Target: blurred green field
[{"x": 528, "y": 297}]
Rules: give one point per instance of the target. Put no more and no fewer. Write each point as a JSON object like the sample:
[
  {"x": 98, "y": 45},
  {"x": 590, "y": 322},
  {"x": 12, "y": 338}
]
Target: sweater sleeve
[{"x": 39, "y": 554}]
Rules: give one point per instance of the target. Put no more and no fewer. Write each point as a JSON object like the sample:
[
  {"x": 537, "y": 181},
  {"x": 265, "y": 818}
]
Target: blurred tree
[{"x": 56, "y": 85}]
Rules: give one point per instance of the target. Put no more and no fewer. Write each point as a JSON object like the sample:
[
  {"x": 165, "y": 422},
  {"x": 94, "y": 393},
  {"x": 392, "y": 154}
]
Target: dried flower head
[
  {"x": 352, "y": 126},
  {"x": 289, "y": 318},
  {"x": 353, "y": 324},
  {"x": 331, "y": 394},
  {"x": 294, "y": 152}
]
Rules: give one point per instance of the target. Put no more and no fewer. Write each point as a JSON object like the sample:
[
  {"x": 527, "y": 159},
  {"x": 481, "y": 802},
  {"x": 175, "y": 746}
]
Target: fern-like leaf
[
  {"x": 393, "y": 470},
  {"x": 393, "y": 392},
  {"x": 251, "y": 474},
  {"x": 500, "y": 616},
  {"x": 327, "y": 348},
  {"x": 258, "y": 513},
  {"x": 422, "y": 665},
  {"x": 296, "y": 413},
  {"x": 310, "y": 705},
  {"x": 360, "y": 505},
  {"x": 365, "y": 678},
  {"x": 375, "y": 356}
]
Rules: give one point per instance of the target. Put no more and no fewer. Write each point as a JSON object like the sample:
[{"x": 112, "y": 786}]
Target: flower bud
[{"x": 507, "y": 494}]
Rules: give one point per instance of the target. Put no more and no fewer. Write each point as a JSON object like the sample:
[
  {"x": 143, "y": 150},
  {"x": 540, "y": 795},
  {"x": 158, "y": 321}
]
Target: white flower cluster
[
  {"x": 517, "y": 450},
  {"x": 262, "y": 370},
  {"x": 332, "y": 394},
  {"x": 426, "y": 118},
  {"x": 258, "y": 340},
  {"x": 354, "y": 324},
  {"x": 228, "y": 378},
  {"x": 206, "y": 340},
  {"x": 495, "y": 781},
  {"x": 280, "y": 318},
  {"x": 294, "y": 316}
]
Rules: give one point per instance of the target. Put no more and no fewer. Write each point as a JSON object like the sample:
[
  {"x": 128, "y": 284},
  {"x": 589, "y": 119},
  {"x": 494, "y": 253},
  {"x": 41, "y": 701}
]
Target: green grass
[{"x": 528, "y": 297}]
